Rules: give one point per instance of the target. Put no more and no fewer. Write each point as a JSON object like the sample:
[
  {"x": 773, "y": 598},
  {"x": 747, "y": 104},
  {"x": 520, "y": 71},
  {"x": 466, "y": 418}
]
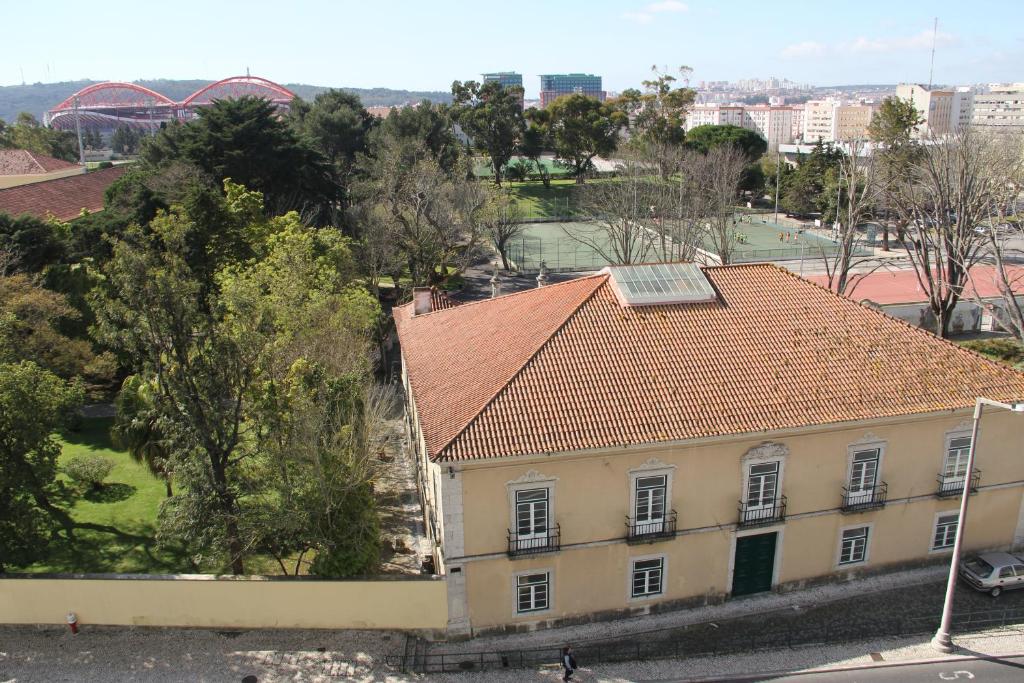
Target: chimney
[
  {"x": 542, "y": 276},
  {"x": 421, "y": 300},
  {"x": 495, "y": 285}
]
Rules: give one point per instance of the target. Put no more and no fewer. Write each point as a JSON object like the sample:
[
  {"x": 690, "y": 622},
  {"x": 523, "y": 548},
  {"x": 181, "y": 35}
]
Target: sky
[{"x": 426, "y": 44}]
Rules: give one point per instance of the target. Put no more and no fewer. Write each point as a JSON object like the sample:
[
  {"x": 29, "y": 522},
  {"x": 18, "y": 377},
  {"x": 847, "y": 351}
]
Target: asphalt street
[{"x": 989, "y": 670}]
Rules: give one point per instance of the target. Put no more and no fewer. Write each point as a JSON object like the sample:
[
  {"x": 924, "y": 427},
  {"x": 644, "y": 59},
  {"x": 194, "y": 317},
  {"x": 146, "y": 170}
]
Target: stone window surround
[
  {"x": 629, "y": 577},
  {"x": 867, "y": 442},
  {"x": 839, "y": 565},
  {"x": 515, "y": 592},
  {"x": 531, "y": 479},
  {"x": 769, "y": 451},
  {"x": 651, "y": 468}
]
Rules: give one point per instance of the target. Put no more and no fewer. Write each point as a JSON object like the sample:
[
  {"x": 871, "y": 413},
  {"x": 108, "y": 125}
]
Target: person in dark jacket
[{"x": 568, "y": 663}]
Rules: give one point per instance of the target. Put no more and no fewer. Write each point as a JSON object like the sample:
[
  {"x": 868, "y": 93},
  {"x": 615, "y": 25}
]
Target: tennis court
[{"x": 759, "y": 239}]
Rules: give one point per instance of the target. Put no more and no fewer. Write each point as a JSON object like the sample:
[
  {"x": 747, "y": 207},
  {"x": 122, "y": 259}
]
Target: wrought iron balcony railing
[
  {"x": 532, "y": 544},
  {"x": 650, "y": 530},
  {"x": 865, "y": 499},
  {"x": 762, "y": 515},
  {"x": 953, "y": 485}
]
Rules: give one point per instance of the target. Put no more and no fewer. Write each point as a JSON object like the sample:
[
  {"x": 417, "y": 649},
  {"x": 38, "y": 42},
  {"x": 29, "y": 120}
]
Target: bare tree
[
  {"x": 623, "y": 211},
  {"x": 948, "y": 191},
  {"x": 503, "y": 223},
  {"x": 859, "y": 190},
  {"x": 718, "y": 174}
]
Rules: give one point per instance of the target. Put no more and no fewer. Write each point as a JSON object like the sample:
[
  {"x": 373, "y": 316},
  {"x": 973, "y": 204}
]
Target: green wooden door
[{"x": 754, "y": 564}]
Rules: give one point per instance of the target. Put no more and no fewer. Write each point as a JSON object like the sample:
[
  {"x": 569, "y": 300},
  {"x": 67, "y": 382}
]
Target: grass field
[{"x": 536, "y": 201}]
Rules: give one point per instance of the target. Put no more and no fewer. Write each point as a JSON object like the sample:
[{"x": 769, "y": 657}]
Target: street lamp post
[{"x": 942, "y": 641}]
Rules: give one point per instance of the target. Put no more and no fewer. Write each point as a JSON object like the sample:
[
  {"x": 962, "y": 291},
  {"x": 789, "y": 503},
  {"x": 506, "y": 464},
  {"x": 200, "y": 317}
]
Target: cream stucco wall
[
  {"x": 226, "y": 603},
  {"x": 15, "y": 180},
  {"x": 592, "y": 497}
]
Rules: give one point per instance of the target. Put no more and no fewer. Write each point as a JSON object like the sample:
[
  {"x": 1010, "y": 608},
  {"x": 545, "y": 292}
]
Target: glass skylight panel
[{"x": 661, "y": 283}]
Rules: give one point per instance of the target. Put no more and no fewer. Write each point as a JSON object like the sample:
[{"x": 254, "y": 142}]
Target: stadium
[{"x": 104, "y": 107}]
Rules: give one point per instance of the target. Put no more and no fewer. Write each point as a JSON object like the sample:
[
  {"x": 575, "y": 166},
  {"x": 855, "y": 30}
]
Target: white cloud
[
  {"x": 808, "y": 48},
  {"x": 863, "y": 45},
  {"x": 646, "y": 15}
]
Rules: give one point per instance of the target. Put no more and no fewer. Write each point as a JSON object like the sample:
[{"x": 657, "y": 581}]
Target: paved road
[{"x": 1005, "y": 670}]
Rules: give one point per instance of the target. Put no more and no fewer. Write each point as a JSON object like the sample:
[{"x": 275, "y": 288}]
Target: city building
[
  {"x": 935, "y": 105},
  {"x": 833, "y": 120},
  {"x": 999, "y": 109},
  {"x": 553, "y": 86},
  {"x": 659, "y": 436},
  {"x": 773, "y": 123},
  {"x": 507, "y": 79},
  {"x": 962, "y": 110},
  {"x": 714, "y": 115}
]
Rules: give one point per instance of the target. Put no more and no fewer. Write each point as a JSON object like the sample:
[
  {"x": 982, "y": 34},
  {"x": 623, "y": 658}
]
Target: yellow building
[{"x": 658, "y": 436}]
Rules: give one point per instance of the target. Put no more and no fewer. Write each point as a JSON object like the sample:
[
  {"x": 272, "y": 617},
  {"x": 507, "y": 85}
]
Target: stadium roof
[
  {"x": 568, "y": 368},
  {"x": 61, "y": 198}
]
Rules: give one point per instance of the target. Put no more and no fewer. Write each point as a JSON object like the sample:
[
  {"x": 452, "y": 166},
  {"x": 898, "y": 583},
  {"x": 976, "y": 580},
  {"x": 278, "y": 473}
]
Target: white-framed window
[
  {"x": 958, "y": 449},
  {"x": 533, "y": 592},
  {"x": 762, "y": 484},
  {"x": 532, "y": 507},
  {"x": 853, "y": 545},
  {"x": 864, "y": 465},
  {"x": 650, "y": 494},
  {"x": 945, "y": 530},
  {"x": 647, "y": 577}
]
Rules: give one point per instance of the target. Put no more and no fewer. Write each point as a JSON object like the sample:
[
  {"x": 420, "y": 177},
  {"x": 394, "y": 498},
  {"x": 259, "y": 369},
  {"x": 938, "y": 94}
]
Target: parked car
[{"x": 993, "y": 573}]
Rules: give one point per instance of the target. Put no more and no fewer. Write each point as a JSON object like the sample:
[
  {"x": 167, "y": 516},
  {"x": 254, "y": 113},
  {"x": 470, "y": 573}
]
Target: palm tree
[{"x": 136, "y": 428}]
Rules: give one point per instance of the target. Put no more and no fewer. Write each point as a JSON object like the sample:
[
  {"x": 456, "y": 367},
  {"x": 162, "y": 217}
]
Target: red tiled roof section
[
  {"x": 903, "y": 287},
  {"x": 62, "y": 198},
  {"x": 460, "y": 357},
  {"x": 24, "y": 162},
  {"x": 775, "y": 352}
]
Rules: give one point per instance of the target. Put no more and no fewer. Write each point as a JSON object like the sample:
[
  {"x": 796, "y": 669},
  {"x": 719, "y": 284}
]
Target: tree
[
  {"x": 892, "y": 128},
  {"x": 490, "y": 114},
  {"x": 424, "y": 126},
  {"x": 804, "y": 192},
  {"x": 244, "y": 139},
  {"x": 704, "y": 138},
  {"x": 534, "y": 142},
  {"x": 580, "y": 128},
  {"x": 338, "y": 126},
  {"x": 34, "y": 403},
  {"x": 137, "y": 427},
  {"x": 718, "y": 176},
  {"x": 27, "y": 133},
  {"x": 33, "y": 242},
  {"x": 658, "y": 115},
  {"x": 503, "y": 223},
  {"x": 948, "y": 191}
]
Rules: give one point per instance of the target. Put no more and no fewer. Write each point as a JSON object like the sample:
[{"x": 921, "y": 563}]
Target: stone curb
[{"x": 763, "y": 675}]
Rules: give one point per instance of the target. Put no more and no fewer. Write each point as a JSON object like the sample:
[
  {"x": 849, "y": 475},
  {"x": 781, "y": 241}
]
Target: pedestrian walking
[{"x": 568, "y": 663}]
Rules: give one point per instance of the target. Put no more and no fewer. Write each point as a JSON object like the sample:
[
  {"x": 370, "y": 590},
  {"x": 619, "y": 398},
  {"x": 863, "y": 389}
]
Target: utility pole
[
  {"x": 778, "y": 171},
  {"x": 78, "y": 129}
]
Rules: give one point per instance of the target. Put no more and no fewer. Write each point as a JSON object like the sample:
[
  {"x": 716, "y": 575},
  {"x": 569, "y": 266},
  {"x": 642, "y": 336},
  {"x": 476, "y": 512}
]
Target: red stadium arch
[
  {"x": 239, "y": 86},
  {"x": 114, "y": 94}
]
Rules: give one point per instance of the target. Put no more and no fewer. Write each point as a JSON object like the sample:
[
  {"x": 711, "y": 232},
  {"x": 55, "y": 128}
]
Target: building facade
[
  {"x": 553, "y": 86},
  {"x": 935, "y": 105},
  {"x": 507, "y": 79},
  {"x": 832, "y": 120},
  {"x": 774, "y": 123},
  {"x": 632, "y": 443},
  {"x": 1001, "y": 109}
]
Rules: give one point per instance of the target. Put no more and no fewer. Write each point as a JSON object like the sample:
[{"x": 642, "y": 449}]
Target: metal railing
[
  {"x": 703, "y": 640},
  {"x": 952, "y": 485},
  {"x": 762, "y": 515},
  {"x": 865, "y": 499},
  {"x": 643, "y": 532},
  {"x": 532, "y": 544}
]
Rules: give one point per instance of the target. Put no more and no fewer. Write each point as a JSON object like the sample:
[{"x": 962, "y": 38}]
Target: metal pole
[
  {"x": 78, "y": 129},
  {"x": 778, "y": 170},
  {"x": 942, "y": 641}
]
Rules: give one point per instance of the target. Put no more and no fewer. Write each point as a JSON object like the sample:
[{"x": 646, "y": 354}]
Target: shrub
[
  {"x": 105, "y": 164},
  {"x": 89, "y": 471}
]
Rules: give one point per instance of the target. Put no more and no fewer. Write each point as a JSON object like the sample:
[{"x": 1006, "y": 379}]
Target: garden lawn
[{"x": 127, "y": 506}]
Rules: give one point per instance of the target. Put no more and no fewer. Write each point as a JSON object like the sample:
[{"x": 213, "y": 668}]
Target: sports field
[{"x": 758, "y": 239}]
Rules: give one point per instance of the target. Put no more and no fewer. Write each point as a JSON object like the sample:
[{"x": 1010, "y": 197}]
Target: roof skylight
[{"x": 660, "y": 283}]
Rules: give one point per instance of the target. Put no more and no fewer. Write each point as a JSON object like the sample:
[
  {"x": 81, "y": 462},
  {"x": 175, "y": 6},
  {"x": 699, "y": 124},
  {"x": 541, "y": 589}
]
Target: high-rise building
[
  {"x": 773, "y": 123},
  {"x": 1001, "y": 109},
  {"x": 507, "y": 79},
  {"x": 833, "y": 120},
  {"x": 553, "y": 86},
  {"x": 935, "y": 105}
]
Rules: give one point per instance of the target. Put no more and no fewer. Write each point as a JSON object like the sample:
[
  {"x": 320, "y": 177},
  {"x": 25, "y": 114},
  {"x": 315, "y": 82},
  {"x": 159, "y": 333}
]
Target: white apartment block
[
  {"x": 773, "y": 123},
  {"x": 934, "y": 105},
  {"x": 1001, "y": 109},
  {"x": 832, "y": 120}
]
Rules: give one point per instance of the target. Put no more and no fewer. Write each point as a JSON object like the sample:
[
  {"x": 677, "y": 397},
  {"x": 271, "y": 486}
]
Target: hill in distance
[{"x": 37, "y": 98}]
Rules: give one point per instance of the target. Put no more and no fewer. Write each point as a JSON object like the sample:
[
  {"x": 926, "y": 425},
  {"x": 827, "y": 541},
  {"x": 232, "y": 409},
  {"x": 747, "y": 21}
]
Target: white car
[{"x": 993, "y": 573}]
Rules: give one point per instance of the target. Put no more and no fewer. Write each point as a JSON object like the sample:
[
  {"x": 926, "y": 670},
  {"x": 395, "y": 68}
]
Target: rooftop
[
  {"x": 61, "y": 198},
  {"x": 567, "y": 367},
  {"x": 24, "y": 162}
]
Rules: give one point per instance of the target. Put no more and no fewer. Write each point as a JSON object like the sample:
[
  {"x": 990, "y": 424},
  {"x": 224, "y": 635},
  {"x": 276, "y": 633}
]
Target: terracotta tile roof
[
  {"x": 62, "y": 198},
  {"x": 902, "y": 286},
  {"x": 567, "y": 368},
  {"x": 24, "y": 162}
]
